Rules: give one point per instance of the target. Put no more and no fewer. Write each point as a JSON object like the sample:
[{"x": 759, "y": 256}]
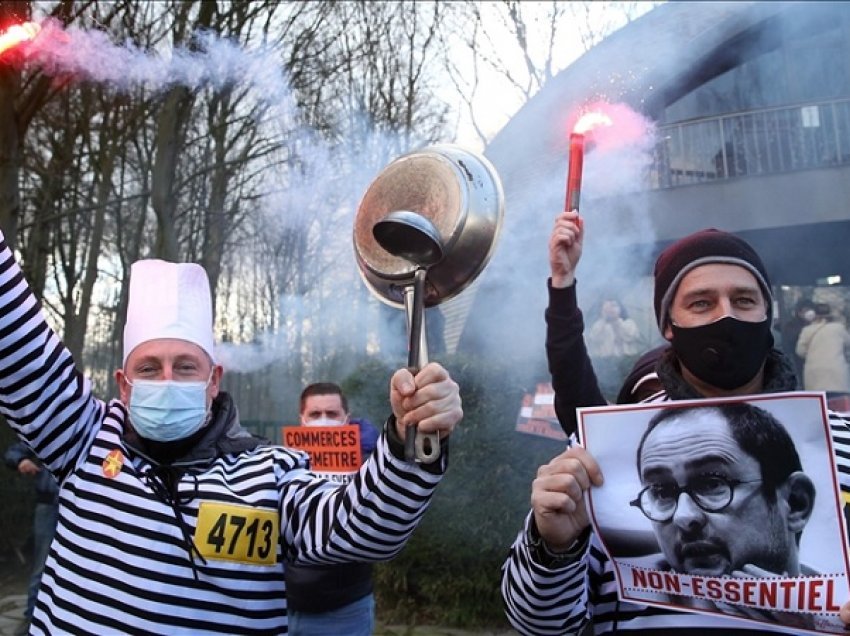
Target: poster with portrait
[{"x": 728, "y": 506}]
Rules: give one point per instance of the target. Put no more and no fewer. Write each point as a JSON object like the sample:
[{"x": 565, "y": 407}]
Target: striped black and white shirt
[{"x": 119, "y": 562}]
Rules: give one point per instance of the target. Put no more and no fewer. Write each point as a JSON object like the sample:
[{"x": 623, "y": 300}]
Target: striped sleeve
[
  {"x": 369, "y": 519},
  {"x": 543, "y": 601},
  {"x": 559, "y": 601},
  {"x": 46, "y": 401},
  {"x": 839, "y": 425}
]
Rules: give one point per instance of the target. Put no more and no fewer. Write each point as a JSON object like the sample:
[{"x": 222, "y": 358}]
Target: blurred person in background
[
  {"x": 613, "y": 341},
  {"x": 824, "y": 345},
  {"x": 804, "y": 314},
  {"x": 327, "y": 600},
  {"x": 21, "y": 459},
  {"x": 613, "y": 334}
]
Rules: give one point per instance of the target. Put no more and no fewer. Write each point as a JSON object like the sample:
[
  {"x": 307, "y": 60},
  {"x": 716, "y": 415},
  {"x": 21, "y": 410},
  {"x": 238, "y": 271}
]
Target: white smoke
[
  {"x": 616, "y": 164},
  {"x": 89, "y": 55},
  {"x": 320, "y": 196}
]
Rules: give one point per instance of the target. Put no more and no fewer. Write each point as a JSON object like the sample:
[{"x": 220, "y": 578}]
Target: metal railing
[{"x": 815, "y": 135}]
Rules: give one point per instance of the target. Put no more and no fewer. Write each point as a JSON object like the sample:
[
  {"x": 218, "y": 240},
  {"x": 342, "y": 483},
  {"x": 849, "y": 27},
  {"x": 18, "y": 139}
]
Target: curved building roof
[{"x": 648, "y": 65}]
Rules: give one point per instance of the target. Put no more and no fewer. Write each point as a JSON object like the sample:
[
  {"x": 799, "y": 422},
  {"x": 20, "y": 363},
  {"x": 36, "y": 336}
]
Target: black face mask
[{"x": 727, "y": 353}]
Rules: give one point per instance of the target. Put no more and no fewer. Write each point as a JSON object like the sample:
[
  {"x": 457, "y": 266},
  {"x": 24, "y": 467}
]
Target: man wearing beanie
[
  {"x": 713, "y": 304},
  {"x": 172, "y": 518}
]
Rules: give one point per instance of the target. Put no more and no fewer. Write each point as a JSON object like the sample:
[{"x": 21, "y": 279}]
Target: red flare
[
  {"x": 585, "y": 124},
  {"x": 574, "y": 171},
  {"x": 16, "y": 34}
]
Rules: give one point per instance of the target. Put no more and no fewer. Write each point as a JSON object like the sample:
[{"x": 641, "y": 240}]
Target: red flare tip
[
  {"x": 591, "y": 120},
  {"x": 16, "y": 34}
]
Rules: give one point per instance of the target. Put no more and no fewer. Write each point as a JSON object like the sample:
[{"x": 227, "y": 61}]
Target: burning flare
[
  {"x": 591, "y": 120},
  {"x": 16, "y": 34},
  {"x": 585, "y": 124}
]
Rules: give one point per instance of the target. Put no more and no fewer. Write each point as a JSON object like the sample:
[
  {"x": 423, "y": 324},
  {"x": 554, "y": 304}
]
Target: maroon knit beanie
[{"x": 702, "y": 248}]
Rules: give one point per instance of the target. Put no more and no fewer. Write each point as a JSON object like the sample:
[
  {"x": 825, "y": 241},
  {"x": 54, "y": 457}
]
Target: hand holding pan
[
  {"x": 425, "y": 228},
  {"x": 414, "y": 238}
]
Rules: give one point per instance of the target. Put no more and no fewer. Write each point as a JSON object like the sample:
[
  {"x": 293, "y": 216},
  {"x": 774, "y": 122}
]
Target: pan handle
[
  {"x": 418, "y": 446},
  {"x": 427, "y": 447}
]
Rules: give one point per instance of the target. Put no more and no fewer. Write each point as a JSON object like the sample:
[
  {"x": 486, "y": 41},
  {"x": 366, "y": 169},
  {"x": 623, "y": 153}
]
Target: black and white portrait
[{"x": 716, "y": 489}]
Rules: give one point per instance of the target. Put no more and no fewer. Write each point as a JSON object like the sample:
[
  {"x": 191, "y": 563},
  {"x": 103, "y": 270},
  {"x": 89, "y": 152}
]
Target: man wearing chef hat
[{"x": 173, "y": 518}]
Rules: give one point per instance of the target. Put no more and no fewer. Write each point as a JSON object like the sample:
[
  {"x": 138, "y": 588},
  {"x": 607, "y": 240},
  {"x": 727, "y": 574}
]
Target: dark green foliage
[{"x": 367, "y": 390}]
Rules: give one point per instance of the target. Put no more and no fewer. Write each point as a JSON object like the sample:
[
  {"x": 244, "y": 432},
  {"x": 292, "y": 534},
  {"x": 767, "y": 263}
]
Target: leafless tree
[
  {"x": 21, "y": 96},
  {"x": 213, "y": 173},
  {"x": 522, "y": 43}
]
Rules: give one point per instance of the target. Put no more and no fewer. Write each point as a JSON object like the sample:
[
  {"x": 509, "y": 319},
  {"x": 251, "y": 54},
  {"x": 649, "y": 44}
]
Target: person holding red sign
[{"x": 325, "y": 600}]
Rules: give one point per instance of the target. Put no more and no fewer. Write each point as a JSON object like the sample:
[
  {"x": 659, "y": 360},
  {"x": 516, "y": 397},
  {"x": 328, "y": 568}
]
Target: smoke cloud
[
  {"x": 616, "y": 164},
  {"x": 322, "y": 199},
  {"x": 89, "y": 55},
  {"x": 319, "y": 199}
]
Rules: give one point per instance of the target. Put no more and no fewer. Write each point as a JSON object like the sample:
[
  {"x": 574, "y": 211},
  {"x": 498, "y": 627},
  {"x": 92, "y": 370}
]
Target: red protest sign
[
  {"x": 537, "y": 414},
  {"x": 332, "y": 449}
]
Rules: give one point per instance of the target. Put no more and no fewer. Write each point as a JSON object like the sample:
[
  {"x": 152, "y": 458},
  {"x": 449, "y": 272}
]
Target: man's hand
[
  {"x": 844, "y": 613},
  {"x": 28, "y": 467},
  {"x": 557, "y": 497},
  {"x": 565, "y": 245},
  {"x": 431, "y": 400}
]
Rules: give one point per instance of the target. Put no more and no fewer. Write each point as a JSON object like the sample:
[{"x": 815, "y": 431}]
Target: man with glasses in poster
[{"x": 747, "y": 497}]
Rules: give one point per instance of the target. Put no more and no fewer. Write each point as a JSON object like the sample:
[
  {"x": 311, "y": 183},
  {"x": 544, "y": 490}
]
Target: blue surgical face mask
[{"x": 165, "y": 410}]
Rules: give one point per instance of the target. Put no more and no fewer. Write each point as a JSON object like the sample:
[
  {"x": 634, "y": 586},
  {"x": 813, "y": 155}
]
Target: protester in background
[
  {"x": 613, "y": 341},
  {"x": 172, "y": 518},
  {"x": 20, "y": 458},
  {"x": 804, "y": 314},
  {"x": 824, "y": 345},
  {"x": 613, "y": 334},
  {"x": 327, "y": 600},
  {"x": 713, "y": 303}
]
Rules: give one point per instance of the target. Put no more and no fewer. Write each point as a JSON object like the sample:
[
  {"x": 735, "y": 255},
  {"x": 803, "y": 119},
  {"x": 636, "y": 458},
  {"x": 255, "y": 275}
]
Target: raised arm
[
  {"x": 573, "y": 377},
  {"x": 43, "y": 397}
]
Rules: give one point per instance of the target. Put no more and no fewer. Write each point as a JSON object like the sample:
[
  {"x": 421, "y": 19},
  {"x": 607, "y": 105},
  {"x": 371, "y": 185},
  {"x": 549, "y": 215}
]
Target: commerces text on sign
[{"x": 334, "y": 450}]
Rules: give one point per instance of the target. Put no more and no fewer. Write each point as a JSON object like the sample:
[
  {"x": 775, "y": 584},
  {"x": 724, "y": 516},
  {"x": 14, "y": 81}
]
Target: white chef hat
[{"x": 168, "y": 300}]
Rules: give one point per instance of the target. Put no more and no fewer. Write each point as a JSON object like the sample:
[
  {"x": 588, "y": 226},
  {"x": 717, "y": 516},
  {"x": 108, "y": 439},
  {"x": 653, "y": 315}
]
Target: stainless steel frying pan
[{"x": 424, "y": 230}]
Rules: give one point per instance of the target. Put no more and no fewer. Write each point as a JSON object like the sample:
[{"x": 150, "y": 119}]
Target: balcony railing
[{"x": 752, "y": 143}]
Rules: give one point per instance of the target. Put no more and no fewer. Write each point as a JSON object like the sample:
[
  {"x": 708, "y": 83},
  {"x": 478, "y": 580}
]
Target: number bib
[{"x": 237, "y": 533}]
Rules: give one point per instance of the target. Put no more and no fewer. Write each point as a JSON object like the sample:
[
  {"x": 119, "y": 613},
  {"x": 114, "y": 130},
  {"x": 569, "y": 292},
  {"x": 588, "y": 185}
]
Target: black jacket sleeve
[
  {"x": 16, "y": 453},
  {"x": 573, "y": 378}
]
